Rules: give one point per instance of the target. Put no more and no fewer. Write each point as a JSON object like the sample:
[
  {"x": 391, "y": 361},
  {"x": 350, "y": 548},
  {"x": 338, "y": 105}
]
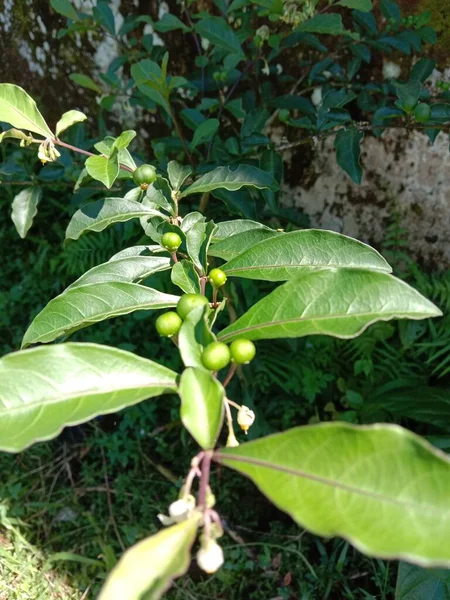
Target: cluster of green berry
[{"x": 216, "y": 355}]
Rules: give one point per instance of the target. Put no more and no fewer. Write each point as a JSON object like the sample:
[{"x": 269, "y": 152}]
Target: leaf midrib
[
  {"x": 330, "y": 483},
  {"x": 132, "y": 215},
  {"x": 24, "y": 116},
  {"x": 295, "y": 265}
]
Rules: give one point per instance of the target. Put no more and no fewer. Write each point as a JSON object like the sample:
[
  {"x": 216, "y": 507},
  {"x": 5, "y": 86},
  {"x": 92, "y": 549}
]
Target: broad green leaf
[
  {"x": 105, "y": 17},
  {"x": 68, "y": 119},
  {"x": 185, "y": 276},
  {"x": 337, "y": 302},
  {"x": 422, "y": 69},
  {"x": 85, "y": 81},
  {"x": 103, "y": 169},
  {"x": 102, "y": 213},
  {"x": 82, "y": 306},
  {"x": 169, "y": 22},
  {"x": 19, "y": 110},
  {"x": 65, "y": 8},
  {"x": 127, "y": 269},
  {"x": 137, "y": 251},
  {"x": 272, "y": 162},
  {"x": 237, "y": 244},
  {"x": 361, "y": 5},
  {"x": 190, "y": 220},
  {"x": 382, "y": 488},
  {"x": 416, "y": 583},
  {"x": 45, "y": 389},
  {"x": 146, "y": 570},
  {"x": 201, "y": 405},
  {"x": 219, "y": 33},
  {"x": 330, "y": 24},
  {"x": 205, "y": 132},
  {"x": 16, "y": 134},
  {"x": 225, "y": 177},
  {"x": 177, "y": 174},
  {"x": 347, "y": 145},
  {"x": 24, "y": 209},
  {"x": 286, "y": 255},
  {"x": 194, "y": 335},
  {"x": 160, "y": 194},
  {"x": 147, "y": 76},
  {"x": 408, "y": 94},
  {"x": 390, "y": 10},
  {"x": 198, "y": 239},
  {"x": 228, "y": 228}
]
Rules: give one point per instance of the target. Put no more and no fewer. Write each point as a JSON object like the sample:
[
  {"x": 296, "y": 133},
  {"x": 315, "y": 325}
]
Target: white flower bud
[
  {"x": 232, "y": 441},
  {"x": 316, "y": 96},
  {"x": 391, "y": 70},
  {"x": 245, "y": 418},
  {"x": 210, "y": 556}
]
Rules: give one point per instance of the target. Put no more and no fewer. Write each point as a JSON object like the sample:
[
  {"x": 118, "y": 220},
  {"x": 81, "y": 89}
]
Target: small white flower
[
  {"x": 47, "y": 152},
  {"x": 316, "y": 96},
  {"x": 179, "y": 511},
  {"x": 210, "y": 556},
  {"x": 266, "y": 69},
  {"x": 279, "y": 69},
  {"x": 245, "y": 418},
  {"x": 205, "y": 44},
  {"x": 391, "y": 70}
]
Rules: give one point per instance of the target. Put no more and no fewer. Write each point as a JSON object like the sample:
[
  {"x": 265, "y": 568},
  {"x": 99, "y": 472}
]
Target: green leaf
[
  {"x": 65, "y": 8},
  {"x": 128, "y": 269},
  {"x": 98, "y": 215},
  {"x": 185, "y": 276},
  {"x": 361, "y": 5},
  {"x": 348, "y": 152},
  {"x": 68, "y": 119},
  {"x": 330, "y": 24},
  {"x": 85, "y": 81},
  {"x": 169, "y": 22},
  {"x": 82, "y": 306},
  {"x": 103, "y": 169},
  {"x": 16, "y": 134},
  {"x": 219, "y": 33},
  {"x": 205, "y": 132},
  {"x": 423, "y": 68},
  {"x": 382, "y": 488},
  {"x": 390, "y": 10},
  {"x": 160, "y": 194},
  {"x": 408, "y": 94},
  {"x": 19, "y": 110},
  {"x": 416, "y": 583},
  {"x": 146, "y": 570},
  {"x": 45, "y": 389},
  {"x": 24, "y": 209},
  {"x": 286, "y": 255},
  {"x": 224, "y": 177},
  {"x": 201, "y": 405},
  {"x": 341, "y": 303},
  {"x": 236, "y": 245},
  {"x": 147, "y": 76},
  {"x": 104, "y": 16},
  {"x": 194, "y": 335},
  {"x": 198, "y": 239},
  {"x": 228, "y": 228},
  {"x": 272, "y": 162},
  {"x": 124, "y": 139},
  {"x": 177, "y": 174}
]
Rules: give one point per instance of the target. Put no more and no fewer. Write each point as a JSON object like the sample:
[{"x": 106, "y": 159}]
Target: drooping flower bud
[
  {"x": 245, "y": 418},
  {"x": 210, "y": 556},
  {"x": 178, "y": 511}
]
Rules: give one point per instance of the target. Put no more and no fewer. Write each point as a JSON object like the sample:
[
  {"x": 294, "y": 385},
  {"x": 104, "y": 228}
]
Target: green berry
[
  {"x": 217, "y": 277},
  {"x": 188, "y": 302},
  {"x": 242, "y": 351},
  {"x": 171, "y": 241},
  {"x": 216, "y": 356},
  {"x": 168, "y": 324},
  {"x": 422, "y": 112},
  {"x": 144, "y": 175}
]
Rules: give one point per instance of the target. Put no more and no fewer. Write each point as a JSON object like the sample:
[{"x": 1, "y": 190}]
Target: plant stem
[
  {"x": 230, "y": 375},
  {"x": 204, "y": 202},
  {"x": 204, "y": 479},
  {"x": 214, "y": 298},
  {"x": 74, "y": 148},
  {"x": 232, "y": 403},
  {"x": 203, "y": 285},
  {"x": 182, "y": 140},
  {"x": 174, "y": 257}
]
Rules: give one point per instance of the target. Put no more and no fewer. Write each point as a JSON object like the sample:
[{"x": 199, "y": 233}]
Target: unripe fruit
[
  {"x": 168, "y": 324},
  {"x": 188, "y": 302},
  {"x": 171, "y": 241},
  {"x": 242, "y": 351},
  {"x": 216, "y": 356},
  {"x": 284, "y": 115},
  {"x": 144, "y": 175},
  {"x": 217, "y": 277},
  {"x": 422, "y": 112}
]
